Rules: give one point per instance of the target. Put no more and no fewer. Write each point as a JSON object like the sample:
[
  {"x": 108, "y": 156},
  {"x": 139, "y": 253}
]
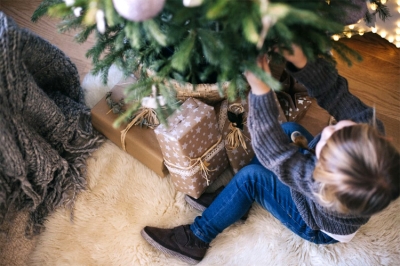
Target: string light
[{"x": 388, "y": 29}]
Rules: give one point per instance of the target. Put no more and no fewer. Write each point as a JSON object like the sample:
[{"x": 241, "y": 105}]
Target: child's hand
[
  {"x": 297, "y": 58},
  {"x": 258, "y": 87}
]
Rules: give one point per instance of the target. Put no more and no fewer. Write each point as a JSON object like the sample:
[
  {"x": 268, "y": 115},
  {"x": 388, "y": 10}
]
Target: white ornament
[
  {"x": 192, "y": 3},
  {"x": 151, "y": 102},
  {"x": 69, "y": 2},
  {"x": 100, "y": 21},
  {"x": 138, "y": 10},
  {"x": 77, "y": 11}
]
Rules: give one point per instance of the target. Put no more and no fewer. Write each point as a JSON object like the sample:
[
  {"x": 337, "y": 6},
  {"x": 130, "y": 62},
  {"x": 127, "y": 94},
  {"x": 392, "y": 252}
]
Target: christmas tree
[{"x": 201, "y": 41}]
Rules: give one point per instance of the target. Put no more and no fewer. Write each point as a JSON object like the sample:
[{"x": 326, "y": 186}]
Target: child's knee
[{"x": 250, "y": 174}]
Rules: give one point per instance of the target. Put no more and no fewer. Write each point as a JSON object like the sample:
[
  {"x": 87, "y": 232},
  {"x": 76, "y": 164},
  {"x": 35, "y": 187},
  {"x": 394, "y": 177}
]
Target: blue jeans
[{"x": 256, "y": 183}]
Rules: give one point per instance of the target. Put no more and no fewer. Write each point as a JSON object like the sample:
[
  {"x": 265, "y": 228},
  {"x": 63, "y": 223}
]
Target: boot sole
[
  {"x": 194, "y": 204},
  {"x": 165, "y": 250}
]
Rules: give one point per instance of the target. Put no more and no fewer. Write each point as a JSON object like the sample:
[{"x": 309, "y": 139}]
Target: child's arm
[
  {"x": 330, "y": 89},
  {"x": 272, "y": 146}
]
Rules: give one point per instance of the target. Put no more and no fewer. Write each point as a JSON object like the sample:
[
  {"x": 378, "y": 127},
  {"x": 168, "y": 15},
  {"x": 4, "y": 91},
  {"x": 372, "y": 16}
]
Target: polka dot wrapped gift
[{"x": 192, "y": 147}]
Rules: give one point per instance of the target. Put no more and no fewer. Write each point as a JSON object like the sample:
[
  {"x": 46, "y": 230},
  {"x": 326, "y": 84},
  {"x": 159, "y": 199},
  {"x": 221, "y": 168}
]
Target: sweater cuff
[
  {"x": 265, "y": 105},
  {"x": 318, "y": 76}
]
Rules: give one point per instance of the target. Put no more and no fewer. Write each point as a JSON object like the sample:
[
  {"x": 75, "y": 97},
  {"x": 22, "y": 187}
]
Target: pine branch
[
  {"x": 212, "y": 43},
  {"x": 43, "y": 9},
  {"x": 181, "y": 58},
  {"x": 383, "y": 11},
  {"x": 345, "y": 53},
  {"x": 265, "y": 77}
]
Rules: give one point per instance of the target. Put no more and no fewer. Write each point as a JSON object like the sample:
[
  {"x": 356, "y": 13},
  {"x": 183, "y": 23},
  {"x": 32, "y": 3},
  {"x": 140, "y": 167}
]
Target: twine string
[
  {"x": 235, "y": 137},
  {"x": 203, "y": 164},
  {"x": 145, "y": 116}
]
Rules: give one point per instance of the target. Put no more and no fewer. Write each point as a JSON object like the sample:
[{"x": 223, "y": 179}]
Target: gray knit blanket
[{"x": 45, "y": 128}]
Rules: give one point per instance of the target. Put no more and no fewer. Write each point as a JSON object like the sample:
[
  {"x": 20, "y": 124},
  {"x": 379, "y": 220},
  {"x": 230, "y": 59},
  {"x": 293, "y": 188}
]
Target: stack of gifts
[
  {"x": 195, "y": 146},
  {"x": 192, "y": 146},
  {"x": 138, "y": 141}
]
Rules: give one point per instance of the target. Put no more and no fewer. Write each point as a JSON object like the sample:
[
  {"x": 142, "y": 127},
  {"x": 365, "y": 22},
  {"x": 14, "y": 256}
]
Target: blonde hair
[{"x": 358, "y": 171}]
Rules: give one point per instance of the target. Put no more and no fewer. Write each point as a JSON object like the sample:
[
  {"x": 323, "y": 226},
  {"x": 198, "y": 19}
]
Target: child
[{"x": 323, "y": 197}]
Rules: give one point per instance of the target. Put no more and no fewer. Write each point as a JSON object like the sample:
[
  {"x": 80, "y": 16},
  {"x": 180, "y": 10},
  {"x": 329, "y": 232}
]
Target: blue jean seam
[
  {"x": 198, "y": 230},
  {"x": 284, "y": 209}
]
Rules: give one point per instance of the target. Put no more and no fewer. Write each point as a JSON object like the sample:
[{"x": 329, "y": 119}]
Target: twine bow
[
  {"x": 237, "y": 120},
  {"x": 145, "y": 116},
  {"x": 203, "y": 164}
]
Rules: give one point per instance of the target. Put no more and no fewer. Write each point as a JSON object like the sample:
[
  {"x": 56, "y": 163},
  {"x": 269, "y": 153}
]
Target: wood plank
[
  {"x": 374, "y": 46},
  {"x": 46, "y": 27},
  {"x": 376, "y": 80}
]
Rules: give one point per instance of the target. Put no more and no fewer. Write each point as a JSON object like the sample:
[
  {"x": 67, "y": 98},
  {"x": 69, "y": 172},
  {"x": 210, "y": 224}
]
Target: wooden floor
[{"x": 376, "y": 80}]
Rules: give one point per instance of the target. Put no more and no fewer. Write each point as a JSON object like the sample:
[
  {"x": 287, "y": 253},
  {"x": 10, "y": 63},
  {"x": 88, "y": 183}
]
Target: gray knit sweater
[
  {"x": 45, "y": 128},
  {"x": 293, "y": 168}
]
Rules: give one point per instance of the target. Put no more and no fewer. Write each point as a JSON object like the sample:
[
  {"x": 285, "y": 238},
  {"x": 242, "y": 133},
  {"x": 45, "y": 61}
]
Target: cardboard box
[{"x": 141, "y": 142}]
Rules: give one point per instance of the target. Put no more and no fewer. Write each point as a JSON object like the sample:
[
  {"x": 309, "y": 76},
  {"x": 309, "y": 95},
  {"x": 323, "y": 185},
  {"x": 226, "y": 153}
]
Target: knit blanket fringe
[{"x": 46, "y": 132}]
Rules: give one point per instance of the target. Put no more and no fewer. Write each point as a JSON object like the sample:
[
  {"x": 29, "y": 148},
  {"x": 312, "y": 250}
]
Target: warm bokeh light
[{"x": 388, "y": 29}]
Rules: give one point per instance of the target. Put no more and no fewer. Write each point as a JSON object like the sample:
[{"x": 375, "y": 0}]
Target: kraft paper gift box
[
  {"x": 294, "y": 111},
  {"x": 192, "y": 146},
  {"x": 232, "y": 122},
  {"x": 140, "y": 142},
  {"x": 235, "y": 133}
]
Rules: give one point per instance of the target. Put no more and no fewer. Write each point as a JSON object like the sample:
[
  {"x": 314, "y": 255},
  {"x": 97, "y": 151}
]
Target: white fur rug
[{"x": 124, "y": 196}]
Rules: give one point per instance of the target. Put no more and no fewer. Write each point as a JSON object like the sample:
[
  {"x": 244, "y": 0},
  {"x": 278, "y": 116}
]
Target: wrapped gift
[
  {"x": 296, "y": 110},
  {"x": 140, "y": 142},
  {"x": 232, "y": 120},
  {"x": 235, "y": 133},
  {"x": 192, "y": 146}
]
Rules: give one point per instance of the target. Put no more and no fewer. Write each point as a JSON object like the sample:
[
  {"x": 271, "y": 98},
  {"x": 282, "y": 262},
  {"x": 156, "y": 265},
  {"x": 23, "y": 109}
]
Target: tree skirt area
[{"x": 123, "y": 196}]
